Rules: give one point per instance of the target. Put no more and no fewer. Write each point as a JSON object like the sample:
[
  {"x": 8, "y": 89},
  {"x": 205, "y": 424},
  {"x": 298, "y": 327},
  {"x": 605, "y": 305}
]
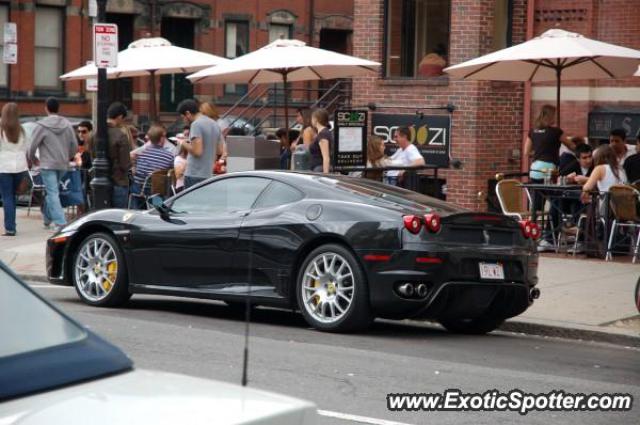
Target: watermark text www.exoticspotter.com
[{"x": 514, "y": 401}]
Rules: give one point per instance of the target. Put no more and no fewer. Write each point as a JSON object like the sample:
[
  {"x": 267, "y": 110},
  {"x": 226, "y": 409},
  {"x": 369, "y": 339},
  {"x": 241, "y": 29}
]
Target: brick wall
[{"x": 487, "y": 123}]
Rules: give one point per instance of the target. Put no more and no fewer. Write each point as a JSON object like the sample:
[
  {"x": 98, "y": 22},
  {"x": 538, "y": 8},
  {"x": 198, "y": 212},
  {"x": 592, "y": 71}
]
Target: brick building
[
  {"x": 54, "y": 37},
  {"x": 414, "y": 39}
]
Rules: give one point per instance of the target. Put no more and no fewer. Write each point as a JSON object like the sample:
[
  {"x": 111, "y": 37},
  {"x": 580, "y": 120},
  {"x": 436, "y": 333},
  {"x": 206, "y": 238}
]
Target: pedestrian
[
  {"x": 85, "y": 144},
  {"x": 210, "y": 110},
  {"x": 152, "y": 158},
  {"x": 320, "y": 148},
  {"x": 202, "y": 145},
  {"x": 119, "y": 147},
  {"x": 13, "y": 163},
  {"x": 55, "y": 141}
]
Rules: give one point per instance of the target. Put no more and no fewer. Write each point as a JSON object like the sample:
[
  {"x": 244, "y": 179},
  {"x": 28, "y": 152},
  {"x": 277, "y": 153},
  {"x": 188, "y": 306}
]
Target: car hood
[{"x": 156, "y": 398}]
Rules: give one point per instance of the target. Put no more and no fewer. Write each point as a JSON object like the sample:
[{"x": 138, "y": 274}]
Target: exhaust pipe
[
  {"x": 534, "y": 294},
  {"x": 422, "y": 290},
  {"x": 406, "y": 289}
]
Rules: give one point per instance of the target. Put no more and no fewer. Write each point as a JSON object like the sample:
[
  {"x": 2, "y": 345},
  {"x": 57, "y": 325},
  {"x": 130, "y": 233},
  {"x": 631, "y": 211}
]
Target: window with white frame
[
  {"x": 278, "y": 31},
  {"x": 417, "y": 38},
  {"x": 4, "y": 69},
  {"x": 236, "y": 35},
  {"x": 49, "y": 47}
]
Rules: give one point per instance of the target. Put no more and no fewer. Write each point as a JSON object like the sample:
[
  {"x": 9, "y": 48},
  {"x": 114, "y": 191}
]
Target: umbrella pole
[
  {"x": 286, "y": 105},
  {"x": 558, "y": 83},
  {"x": 153, "y": 109}
]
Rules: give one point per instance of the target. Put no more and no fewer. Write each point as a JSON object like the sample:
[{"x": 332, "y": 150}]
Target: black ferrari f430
[{"x": 341, "y": 250}]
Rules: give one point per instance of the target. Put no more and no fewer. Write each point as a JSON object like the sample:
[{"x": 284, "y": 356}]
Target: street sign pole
[{"x": 101, "y": 182}]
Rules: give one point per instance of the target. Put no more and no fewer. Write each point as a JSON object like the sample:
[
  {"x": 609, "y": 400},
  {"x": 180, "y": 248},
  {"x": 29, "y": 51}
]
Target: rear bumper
[{"x": 454, "y": 285}]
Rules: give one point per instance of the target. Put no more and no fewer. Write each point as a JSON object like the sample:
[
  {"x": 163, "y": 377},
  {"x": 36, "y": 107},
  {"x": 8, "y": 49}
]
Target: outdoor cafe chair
[
  {"x": 154, "y": 183},
  {"x": 34, "y": 178},
  {"x": 511, "y": 196},
  {"x": 623, "y": 200}
]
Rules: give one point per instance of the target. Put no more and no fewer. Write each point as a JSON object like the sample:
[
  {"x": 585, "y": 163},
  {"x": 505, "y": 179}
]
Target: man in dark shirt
[
  {"x": 632, "y": 164},
  {"x": 118, "y": 153},
  {"x": 580, "y": 169}
]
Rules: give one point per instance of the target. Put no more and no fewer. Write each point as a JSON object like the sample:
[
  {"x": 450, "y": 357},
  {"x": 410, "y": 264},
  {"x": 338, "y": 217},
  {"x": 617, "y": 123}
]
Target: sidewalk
[{"x": 580, "y": 298}]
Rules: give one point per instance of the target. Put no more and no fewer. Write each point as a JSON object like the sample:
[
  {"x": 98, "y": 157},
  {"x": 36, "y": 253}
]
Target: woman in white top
[
  {"x": 607, "y": 172},
  {"x": 13, "y": 163}
]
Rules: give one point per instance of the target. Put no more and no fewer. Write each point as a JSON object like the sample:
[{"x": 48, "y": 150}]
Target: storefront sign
[
  {"x": 430, "y": 134},
  {"x": 105, "y": 38},
  {"x": 350, "y": 139},
  {"x": 602, "y": 122}
]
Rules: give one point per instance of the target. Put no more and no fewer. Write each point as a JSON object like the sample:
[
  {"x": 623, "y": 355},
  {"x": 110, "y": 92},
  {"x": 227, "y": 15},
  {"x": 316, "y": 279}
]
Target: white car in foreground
[{"x": 53, "y": 371}]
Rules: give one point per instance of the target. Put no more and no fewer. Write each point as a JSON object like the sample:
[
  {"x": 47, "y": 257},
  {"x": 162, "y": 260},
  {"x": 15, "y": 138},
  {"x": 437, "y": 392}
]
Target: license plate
[{"x": 491, "y": 271}]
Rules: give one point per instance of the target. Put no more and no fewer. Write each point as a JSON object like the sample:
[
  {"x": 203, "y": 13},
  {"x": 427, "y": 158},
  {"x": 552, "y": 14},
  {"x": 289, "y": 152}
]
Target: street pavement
[
  {"x": 580, "y": 298},
  {"x": 349, "y": 376}
]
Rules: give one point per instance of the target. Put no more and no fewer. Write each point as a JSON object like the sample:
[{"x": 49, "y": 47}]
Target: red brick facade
[
  {"x": 489, "y": 120},
  {"x": 308, "y": 18}
]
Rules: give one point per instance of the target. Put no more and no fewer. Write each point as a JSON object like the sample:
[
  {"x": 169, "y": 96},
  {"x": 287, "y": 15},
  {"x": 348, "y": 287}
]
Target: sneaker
[
  {"x": 56, "y": 227},
  {"x": 544, "y": 245}
]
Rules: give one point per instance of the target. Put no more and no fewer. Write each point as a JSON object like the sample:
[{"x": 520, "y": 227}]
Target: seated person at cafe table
[
  {"x": 153, "y": 158},
  {"x": 407, "y": 155},
  {"x": 632, "y": 164},
  {"x": 606, "y": 173},
  {"x": 618, "y": 141},
  {"x": 579, "y": 170}
]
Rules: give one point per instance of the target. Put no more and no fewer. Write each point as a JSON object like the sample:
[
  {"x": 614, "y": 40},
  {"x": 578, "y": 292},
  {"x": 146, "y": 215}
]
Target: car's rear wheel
[
  {"x": 477, "y": 326},
  {"x": 99, "y": 271},
  {"x": 332, "y": 290}
]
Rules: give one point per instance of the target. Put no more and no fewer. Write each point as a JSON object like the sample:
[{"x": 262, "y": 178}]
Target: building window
[
  {"x": 502, "y": 24},
  {"x": 417, "y": 38},
  {"x": 278, "y": 31},
  {"x": 48, "y": 47},
  {"x": 236, "y": 44},
  {"x": 4, "y": 69}
]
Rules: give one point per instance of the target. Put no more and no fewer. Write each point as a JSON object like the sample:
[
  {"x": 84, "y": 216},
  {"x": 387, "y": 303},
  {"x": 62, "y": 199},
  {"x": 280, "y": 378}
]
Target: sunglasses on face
[{"x": 83, "y": 131}]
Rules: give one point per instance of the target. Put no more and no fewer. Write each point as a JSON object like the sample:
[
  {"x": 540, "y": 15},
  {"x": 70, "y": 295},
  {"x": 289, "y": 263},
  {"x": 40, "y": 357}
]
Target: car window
[
  {"x": 278, "y": 194},
  {"x": 28, "y": 324},
  {"x": 221, "y": 196}
]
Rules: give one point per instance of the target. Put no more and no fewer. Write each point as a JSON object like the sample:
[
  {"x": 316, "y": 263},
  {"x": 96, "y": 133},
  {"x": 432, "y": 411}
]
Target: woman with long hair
[
  {"x": 307, "y": 132},
  {"x": 13, "y": 163},
  {"x": 320, "y": 148},
  {"x": 606, "y": 172}
]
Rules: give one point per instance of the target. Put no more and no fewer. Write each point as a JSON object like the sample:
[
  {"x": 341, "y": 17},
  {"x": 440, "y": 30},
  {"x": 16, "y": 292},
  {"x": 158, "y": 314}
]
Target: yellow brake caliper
[
  {"x": 316, "y": 298},
  {"x": 112, "y": 271}
]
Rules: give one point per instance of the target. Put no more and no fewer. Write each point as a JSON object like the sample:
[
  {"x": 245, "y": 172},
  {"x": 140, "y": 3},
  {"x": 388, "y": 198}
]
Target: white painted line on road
[
  {"x": 51, "y": 286},
  {"x": 357, "y": 418}
]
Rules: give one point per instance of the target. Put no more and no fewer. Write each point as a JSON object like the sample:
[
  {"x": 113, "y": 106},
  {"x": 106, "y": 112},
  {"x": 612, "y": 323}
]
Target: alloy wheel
[
  {"x": 328, "y": 287},
  {"x": 96, "y": 269}
]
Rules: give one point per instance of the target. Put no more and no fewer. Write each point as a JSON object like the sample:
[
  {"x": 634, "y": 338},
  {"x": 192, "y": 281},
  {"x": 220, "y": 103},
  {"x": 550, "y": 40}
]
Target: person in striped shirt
[{"x": 152, "y": 158}]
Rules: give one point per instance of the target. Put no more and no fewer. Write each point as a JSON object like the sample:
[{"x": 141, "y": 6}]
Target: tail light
[
  {"x": 530, "y": 230},
  {"x": 412, "y": 223},
  {"x": 432, "y": 222}
]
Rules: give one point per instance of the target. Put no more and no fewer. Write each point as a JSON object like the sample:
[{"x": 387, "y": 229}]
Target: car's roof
[{"x": 158, "y": 398}]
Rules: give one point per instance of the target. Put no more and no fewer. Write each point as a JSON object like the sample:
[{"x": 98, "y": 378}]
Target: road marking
[
  {"x": 357, "y": 418},
  {"x": 51, "y": 286}
]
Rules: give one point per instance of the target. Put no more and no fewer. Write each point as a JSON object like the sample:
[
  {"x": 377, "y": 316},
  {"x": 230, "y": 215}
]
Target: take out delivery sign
[{"x": 105, "y": 45}]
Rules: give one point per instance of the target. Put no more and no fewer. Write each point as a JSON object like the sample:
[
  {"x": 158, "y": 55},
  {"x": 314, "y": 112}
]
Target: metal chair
[
  {"x": 623, "y": 200},
  {"x": 511, "y": 196},
  {"x": 35, "y": 187},
  {"x": 156, "y": 183}
]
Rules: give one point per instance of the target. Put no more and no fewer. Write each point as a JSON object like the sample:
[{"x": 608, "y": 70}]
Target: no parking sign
[{"x": 105, "y": 45}]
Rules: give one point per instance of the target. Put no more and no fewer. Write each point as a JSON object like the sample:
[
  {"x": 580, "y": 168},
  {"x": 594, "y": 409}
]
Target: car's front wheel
[
  {"x": 99, "y": 271},
  {"x": 332, "y": 290},
  {"x": 477, "y": 326}
]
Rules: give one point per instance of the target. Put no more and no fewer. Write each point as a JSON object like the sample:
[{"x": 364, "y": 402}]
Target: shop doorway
[{"x": 175, "y": 88}]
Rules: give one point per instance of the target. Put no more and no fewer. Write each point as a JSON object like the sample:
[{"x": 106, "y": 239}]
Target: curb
[
  {"x": 573, "y": 333},
  {"x": 33, "y": 277}
]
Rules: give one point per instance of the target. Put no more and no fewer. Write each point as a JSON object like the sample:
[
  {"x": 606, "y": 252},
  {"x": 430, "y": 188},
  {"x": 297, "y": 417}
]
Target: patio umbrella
[
  {"x": 555, "y": 55},
  {"x": 151, "y": 57},
  {"x": 284, "y": 61}
]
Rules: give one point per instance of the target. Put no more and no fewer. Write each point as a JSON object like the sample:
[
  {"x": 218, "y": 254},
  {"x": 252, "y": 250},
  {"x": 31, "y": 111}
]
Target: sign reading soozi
[{"x": 430, "y": 134}]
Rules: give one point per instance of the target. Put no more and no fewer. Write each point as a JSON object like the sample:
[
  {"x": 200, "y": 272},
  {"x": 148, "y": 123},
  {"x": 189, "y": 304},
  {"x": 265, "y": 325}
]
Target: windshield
[
  {"x": 27, "y": 323},
  {"x": 389, "y": 194}
]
